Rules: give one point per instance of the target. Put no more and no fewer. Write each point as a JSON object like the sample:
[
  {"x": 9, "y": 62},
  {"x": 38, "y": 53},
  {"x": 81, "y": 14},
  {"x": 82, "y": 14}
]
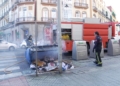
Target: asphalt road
[
  {"x": 17, "y": 62},
  {"x": 15, "y": 59}
]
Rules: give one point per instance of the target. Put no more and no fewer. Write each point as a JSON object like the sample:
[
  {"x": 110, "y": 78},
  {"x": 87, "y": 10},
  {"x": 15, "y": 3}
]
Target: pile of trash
[{"x": 45, "y": 66}]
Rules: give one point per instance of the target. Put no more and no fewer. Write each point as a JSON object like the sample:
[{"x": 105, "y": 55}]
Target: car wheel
[
  {"x": 23, "y": 46},
  {"x": 11, "y": 48}
]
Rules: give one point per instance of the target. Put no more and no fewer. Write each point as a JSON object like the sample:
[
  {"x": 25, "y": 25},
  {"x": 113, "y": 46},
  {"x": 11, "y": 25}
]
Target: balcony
[
  {"x": 95, "y": 8},
  {"x": 19, "y": 2},
  {"x": 7, "y": 12},
  {"x": 103, "y": 13},
  {"x": 24, "y": 1},
  {"x": 109, "y": 17},
  {"x": 25, "y": 19},
  {"x": 80, "y": 5},
  {"x": 46, "y": 19},
  {"x": 49, "y": 2},
  {"x": 6, "y": 26},
  {"x": 4, "y": 3},
  {"x": 113, "y": 14}
]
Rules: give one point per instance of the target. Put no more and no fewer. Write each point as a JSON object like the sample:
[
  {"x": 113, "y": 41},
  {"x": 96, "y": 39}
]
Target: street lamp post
[
  {"x": 36, "y": 34},
  {"x": 59, "y": 35}
]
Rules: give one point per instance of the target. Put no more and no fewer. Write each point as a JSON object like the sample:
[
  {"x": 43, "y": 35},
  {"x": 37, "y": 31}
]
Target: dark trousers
[
  {"x": 98, "y": 57},
  {"x": 54, "y": 36}
]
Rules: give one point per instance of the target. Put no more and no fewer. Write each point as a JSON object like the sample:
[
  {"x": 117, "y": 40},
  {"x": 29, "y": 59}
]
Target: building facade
[
  {"x": 17, "y": 17},
  {"x": 113, "y": 13}
]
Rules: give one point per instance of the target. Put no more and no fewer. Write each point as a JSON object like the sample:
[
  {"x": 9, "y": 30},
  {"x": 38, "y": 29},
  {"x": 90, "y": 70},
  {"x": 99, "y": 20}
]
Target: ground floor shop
[{"x": 20, "y": 32}]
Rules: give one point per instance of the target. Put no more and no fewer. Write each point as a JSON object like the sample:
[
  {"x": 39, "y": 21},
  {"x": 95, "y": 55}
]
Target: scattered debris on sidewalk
[{"x": 50, "y": 65}]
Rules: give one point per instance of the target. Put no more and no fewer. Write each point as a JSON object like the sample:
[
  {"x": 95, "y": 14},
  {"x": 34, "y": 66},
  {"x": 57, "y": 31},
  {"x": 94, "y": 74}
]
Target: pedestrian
[
  {"x": 29, "y": 41},
  {"x": 97, "y": 49}
]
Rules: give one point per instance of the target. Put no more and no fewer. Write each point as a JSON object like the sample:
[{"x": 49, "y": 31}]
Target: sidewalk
[
  {"x": 86, "y": 74},
  {"x": 19, "y": 81}
]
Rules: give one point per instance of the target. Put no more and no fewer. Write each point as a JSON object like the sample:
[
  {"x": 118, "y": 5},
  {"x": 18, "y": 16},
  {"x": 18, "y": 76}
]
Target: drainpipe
[{"x": 91, "y": 8}]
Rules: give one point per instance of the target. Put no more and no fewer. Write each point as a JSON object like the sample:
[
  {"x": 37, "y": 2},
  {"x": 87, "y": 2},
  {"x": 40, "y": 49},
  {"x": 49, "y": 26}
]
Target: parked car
[
  {"x": 4, "y": 45},
  {"x": 23, "y": 44}
]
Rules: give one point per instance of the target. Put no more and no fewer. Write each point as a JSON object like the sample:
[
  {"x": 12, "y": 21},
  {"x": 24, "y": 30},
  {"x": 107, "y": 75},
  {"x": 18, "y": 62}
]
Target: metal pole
[
  {"x": 36, "y": 35},
  {"x": 59, "y": 35}
]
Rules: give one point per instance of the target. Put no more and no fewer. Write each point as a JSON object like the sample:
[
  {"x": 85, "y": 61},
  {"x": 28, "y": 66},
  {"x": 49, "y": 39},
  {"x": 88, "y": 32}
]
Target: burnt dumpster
[
  {"x": 47, "y": 58},
  {"x": 43, "y": 53}
]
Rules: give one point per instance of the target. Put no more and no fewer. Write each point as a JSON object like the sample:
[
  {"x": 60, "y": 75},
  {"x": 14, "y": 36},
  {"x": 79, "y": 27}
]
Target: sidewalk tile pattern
[
  {"x": 86, "y": 74},
  {"x": 19, "y": 81}
]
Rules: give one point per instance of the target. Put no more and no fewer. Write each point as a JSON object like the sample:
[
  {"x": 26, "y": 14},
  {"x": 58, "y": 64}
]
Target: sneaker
[
  {"x": 100, "y": 65},
  {"x": 95, "y": 62}
]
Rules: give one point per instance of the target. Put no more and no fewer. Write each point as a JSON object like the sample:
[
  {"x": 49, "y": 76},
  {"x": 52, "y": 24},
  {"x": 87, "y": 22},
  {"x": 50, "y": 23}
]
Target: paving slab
[{"x": 86, "y": 73}]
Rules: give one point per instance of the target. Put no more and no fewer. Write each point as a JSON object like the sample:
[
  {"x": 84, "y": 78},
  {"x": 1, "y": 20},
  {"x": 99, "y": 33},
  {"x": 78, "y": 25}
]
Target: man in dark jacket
[
  {"x": 29, "y": 41},
  {"x": 97, "y": 48}
]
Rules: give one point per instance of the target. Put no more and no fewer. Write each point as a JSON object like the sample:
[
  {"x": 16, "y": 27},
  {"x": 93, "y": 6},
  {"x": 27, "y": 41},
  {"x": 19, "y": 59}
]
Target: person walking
[{"x": 97, "y": 48}]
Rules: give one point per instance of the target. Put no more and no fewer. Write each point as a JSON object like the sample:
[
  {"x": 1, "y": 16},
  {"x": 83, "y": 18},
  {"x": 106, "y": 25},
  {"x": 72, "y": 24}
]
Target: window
[
  {"x": 94, "y": 16},
  {"x": 53, "y": 1},
  {"x": 94, "y": 3},
  {"x": 45, "y": 14},
  {"x": 4, "y": 22},
  {"x": 17, "y": 34},
  {"x": 24, "y": 11},
  {"x": 0, "y": 41},
  {"x": 19, "y": 8},
  {"x": 53, "y": 13},
  {"x": 100, "y": 19},
  {"x": 77, "y": 14},
  {"x": 84, "y": 15},
  {"x": 106, "y": 13},
  {"x": 30, "y": 7},
  {"x": 103, "y": 21},
  {"x": 67, "y": 11},
  {"x": 78, "y": 1},
  {"x": 4, "y": 10},
  {"x": 25, "y": 33},
  {"x": 83, "y": 1},
  {"x": 45, "y": 1}
]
